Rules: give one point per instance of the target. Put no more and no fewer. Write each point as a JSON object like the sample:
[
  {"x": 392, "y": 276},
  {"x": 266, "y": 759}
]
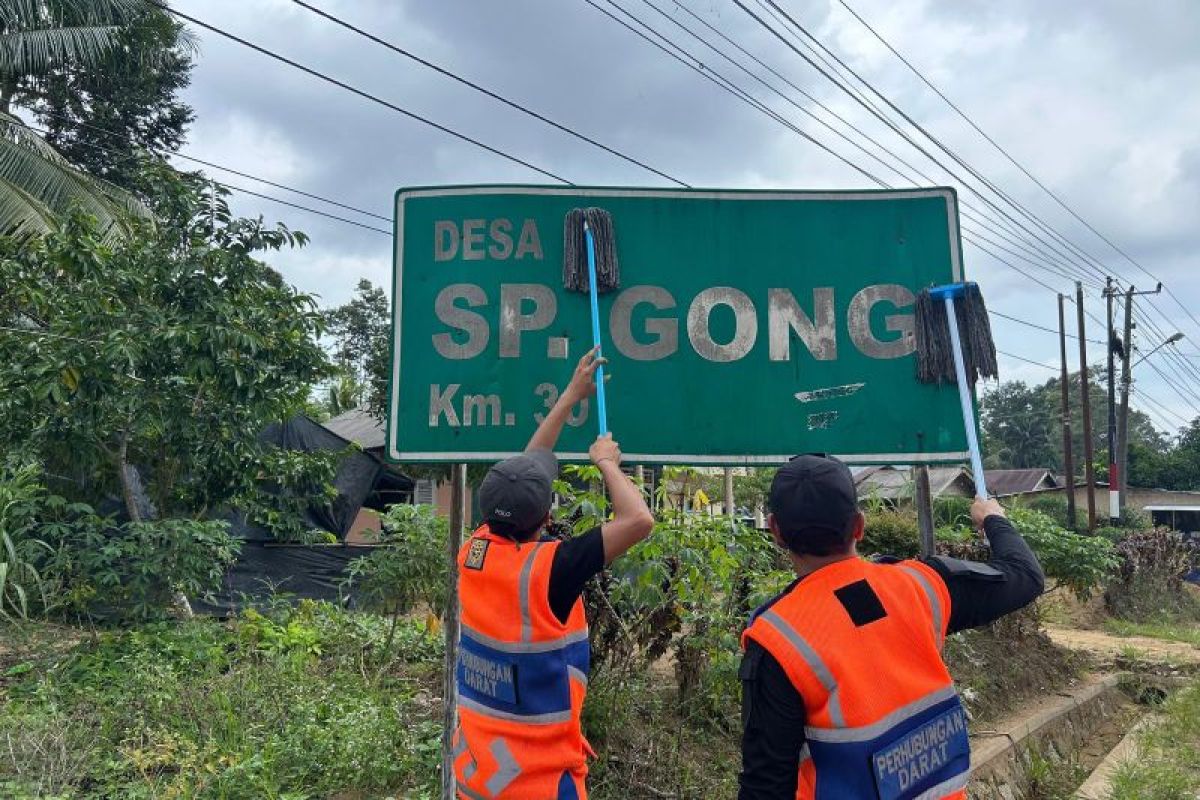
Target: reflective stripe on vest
[
  {"x": 521, "y": 677},
  {"x": 872, "y": 732},
  {"x": 935, "y": 603},
  {"x": 814, "y": 662}
]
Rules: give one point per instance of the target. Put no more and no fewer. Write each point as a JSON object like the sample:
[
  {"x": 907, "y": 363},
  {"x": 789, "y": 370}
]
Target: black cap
[
  {"x": 813, "y": 492},
  {"x": 517, "y": 492}
]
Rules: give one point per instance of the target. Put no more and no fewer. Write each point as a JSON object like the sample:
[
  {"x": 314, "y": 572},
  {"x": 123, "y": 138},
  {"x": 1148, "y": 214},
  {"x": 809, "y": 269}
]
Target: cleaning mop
[
  {"x": 954, "y": 344},
  {"x": 590, "y": 265}
]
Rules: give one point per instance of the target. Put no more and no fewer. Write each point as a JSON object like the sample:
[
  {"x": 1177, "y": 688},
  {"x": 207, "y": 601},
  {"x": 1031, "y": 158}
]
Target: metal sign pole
[{"x": 458, "y": 508}]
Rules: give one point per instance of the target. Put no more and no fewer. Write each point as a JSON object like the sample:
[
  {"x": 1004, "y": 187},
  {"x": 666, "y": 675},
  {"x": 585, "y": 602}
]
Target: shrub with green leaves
[
  {"x": 409, "y": 566},
  {"x": 1079, "y": 563},
  {"x": 890, "y": 533},
  {"x": 269, "y": 705},
  {"x": 134, "y": 571}
]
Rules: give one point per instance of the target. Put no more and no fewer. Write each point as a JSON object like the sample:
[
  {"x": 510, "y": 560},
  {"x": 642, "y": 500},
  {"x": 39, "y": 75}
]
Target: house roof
[
  {"x": 360, "y": 427},
  {"x": 1005, "y": 482},
  {"x": 896, "y": 483}
]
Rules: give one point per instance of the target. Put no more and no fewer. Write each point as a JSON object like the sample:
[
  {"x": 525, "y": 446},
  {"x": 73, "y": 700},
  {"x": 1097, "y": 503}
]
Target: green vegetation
[
  {"x": 1149, "y": 586},
  {"x": 1168, "y": 763},
  {"x": 271, "y": 705},
  {"x": 1166, "y": 629}
]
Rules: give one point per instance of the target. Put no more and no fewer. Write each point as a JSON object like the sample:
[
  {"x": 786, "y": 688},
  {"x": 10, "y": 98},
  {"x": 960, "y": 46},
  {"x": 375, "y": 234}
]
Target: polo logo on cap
[
  {"x": 476, "y": 554},
  {"x": 500, "y": 512}
]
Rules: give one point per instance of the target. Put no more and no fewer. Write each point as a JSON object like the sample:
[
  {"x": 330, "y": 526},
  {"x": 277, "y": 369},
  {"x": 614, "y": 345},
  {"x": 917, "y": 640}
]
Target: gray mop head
[
  {"x": 575, "y": 265},
  {"x": 935, "y": 356}
]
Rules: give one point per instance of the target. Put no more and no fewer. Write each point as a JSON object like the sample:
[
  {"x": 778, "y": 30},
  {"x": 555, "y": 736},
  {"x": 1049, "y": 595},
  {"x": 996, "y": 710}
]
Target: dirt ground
[{"x": 1109, "y": 647}]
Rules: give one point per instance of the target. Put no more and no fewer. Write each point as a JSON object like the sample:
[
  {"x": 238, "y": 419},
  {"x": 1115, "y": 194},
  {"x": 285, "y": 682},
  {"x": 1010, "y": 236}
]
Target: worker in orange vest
[
  {"x": 524, "y": 654},
  {"x": 845, "y": 694}
]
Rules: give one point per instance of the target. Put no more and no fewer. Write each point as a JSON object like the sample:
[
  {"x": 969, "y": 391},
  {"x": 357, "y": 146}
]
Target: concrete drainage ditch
[{"x": 1067, "y": 734}]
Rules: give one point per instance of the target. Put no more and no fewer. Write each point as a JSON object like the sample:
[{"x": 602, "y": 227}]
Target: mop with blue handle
[
  {"x": 590, "y": 265},
  {"x": 954, "y": 344}
]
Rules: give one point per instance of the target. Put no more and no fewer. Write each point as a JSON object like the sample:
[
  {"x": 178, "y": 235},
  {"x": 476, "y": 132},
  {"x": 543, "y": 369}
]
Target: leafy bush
[
  {"x": 950, "y": 511},
  {"x": 1079, "y": 563},
  {"x": 1149, "y": 584},
  {"x": 409, "y": 566},
  {"x": 210, "y": 711},
  {"x": 891, "y": 533},
  {"x": 134, "y": 570},
  {"x": 22, "y": 588},
  {"x": 1051, "y": 505}
]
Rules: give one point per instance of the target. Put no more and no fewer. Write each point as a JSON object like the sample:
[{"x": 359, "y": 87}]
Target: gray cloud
[{"x": 1096, "y": 98}]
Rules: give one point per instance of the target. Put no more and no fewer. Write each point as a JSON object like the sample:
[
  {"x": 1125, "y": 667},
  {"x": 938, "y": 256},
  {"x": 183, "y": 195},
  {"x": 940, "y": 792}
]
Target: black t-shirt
[{"x": 575, "y": 562}]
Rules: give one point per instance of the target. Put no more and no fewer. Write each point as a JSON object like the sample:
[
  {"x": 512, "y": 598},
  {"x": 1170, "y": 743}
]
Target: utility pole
[
  {"x": 1114, "y": 484},
  {"x": 1088, "y": 472},
  {"x": 1065, "y": 381},
  {"x": 1126, "y": 384},
  {"x": 1123, "y": 430}
]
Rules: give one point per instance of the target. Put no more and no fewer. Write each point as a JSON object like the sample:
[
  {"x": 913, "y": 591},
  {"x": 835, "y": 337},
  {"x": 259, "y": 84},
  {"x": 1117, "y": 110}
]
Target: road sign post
[{"x": 749, "y": 326}]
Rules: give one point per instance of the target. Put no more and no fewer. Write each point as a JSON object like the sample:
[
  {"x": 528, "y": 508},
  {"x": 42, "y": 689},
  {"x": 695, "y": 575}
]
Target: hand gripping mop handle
[
  {"x": 964, "y": 392},
  {"x": 601, "y": 407}
]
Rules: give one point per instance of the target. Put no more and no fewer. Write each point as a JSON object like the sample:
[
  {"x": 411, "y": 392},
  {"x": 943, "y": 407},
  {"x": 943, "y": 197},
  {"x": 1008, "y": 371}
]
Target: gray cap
[{"x": 518, "y": 491}]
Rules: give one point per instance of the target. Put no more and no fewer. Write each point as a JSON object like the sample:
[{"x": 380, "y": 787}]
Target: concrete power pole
[
  {"x": 1088, "y": 471},
  {"x": 1065, "y": 381},
  {"x": 1123, "y": 425},
  {"x": 1114, "y": 485}
]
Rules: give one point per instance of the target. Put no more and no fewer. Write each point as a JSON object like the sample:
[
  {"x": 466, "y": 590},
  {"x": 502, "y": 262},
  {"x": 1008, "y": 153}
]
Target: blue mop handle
[
  {"x": 964, "y": 396},
  {"x": 601, "y": 407}
]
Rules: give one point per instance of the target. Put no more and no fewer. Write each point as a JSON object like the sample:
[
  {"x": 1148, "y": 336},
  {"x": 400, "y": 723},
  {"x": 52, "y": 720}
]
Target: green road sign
[{"x": 749, "y": 326}]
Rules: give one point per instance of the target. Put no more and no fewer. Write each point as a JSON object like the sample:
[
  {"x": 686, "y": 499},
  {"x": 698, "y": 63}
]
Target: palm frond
[
  {"x": 21, "y": 214},
  {"x": 34, "y": 51},
  {"x": 31, "y": 14},
  {"x": 38, "y": 186}
]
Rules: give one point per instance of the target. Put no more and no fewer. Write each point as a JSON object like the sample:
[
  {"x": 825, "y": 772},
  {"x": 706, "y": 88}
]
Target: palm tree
[{"x": 37, "y": 185}]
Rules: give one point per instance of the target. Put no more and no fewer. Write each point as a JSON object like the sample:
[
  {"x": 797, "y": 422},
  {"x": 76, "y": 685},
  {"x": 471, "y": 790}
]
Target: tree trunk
[{"x": 125, "y": 473}]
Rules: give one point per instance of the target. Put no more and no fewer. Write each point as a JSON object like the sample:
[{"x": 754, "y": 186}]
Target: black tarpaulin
[{"x": 264, "y": 569}]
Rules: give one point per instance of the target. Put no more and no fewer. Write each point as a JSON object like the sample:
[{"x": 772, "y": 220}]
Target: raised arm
[
  {"x": 632, "y": 521},
  {"x": 582, "y": 385},
  {"x": 982, "y": 592}
]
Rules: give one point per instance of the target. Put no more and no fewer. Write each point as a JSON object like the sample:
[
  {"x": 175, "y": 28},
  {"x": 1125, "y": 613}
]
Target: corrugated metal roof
[
  {"x": 893, "y": 483},
  {"x": 360, "y": 427},
  {"x": 1005, "y": 482}
]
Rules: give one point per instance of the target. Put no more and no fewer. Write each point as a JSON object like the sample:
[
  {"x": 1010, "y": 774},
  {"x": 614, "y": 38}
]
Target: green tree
[
  {"x": 1022, "y": 424},
  {"x": 1018, "y": 428},
  {"x": 37, "y": 185},
  {"x": 361, "y": 330},
  {"x": 169, "y": 351},
  {"x": 102, "y": 117}
]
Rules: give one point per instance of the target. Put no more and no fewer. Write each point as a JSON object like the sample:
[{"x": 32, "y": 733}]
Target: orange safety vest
[
  {"x": 861, "y": 642},
  {"x": 522, "y": 677}
]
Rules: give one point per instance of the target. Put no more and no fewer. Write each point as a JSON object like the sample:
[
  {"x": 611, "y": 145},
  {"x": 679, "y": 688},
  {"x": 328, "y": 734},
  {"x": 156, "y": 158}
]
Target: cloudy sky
[{"x": 1096, "y": 99}]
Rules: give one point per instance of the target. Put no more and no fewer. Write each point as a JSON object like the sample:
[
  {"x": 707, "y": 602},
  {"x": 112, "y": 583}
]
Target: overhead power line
[
  {"x": 987, "y": 225},
  {"x": 1027, "y": 360},
  {"x": 231, "y": 187},
  {"x": 1053, "y": 195},
  {"x": 488, "y": 92},
  {"x": 303, "y": 208},
  {"x": 211, "y": 164},
  {"x": 725, "y": 84},
  {"x": 359, "y": 92},
  {"x": 826, "y": 71},
  {"x": 702, "y": 68}
]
